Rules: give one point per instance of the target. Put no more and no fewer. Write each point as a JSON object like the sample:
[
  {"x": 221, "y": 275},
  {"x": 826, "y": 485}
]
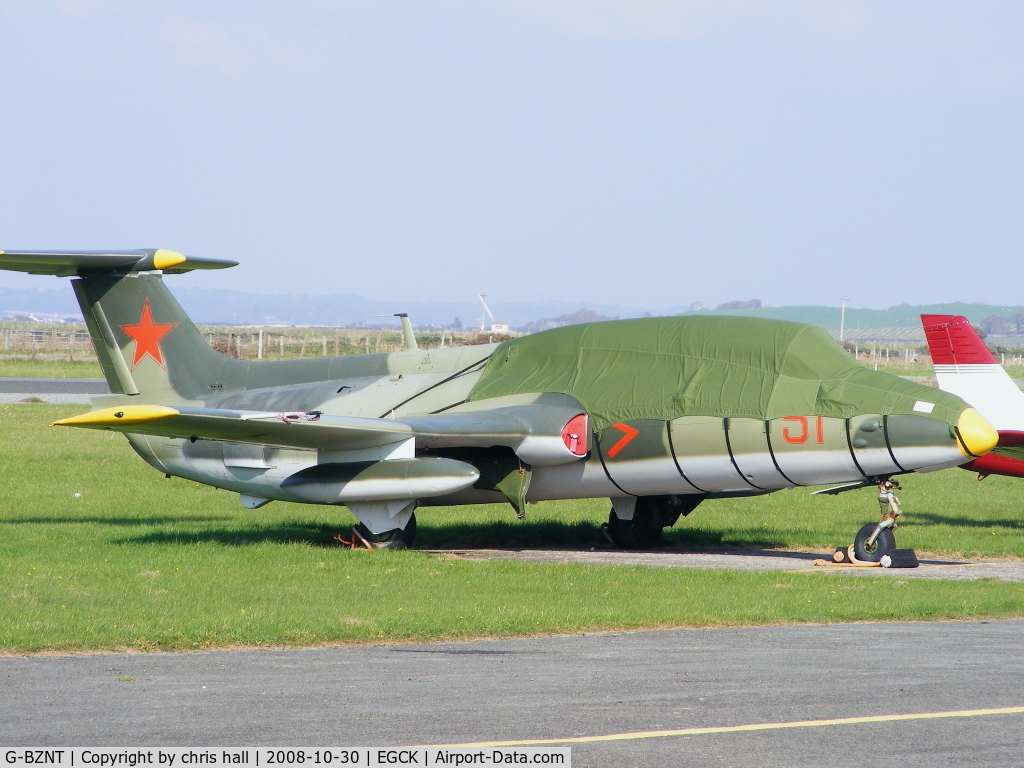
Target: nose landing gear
[{"x": 875, "y": 543}]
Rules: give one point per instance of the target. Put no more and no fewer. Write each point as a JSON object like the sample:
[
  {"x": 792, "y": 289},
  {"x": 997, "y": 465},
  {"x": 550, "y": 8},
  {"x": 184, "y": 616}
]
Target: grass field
[
  {"x": 62, "y": 369},
  {"x": 20, "y": 366},
  {"x": 140, "y": 562}
]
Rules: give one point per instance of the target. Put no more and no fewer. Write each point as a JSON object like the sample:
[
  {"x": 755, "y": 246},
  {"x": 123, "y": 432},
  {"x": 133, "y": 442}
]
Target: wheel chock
[
  {"x": 904, "y": 558},
  {"x": 355, "y": 542},
  {"x": 845, "y": 557},
  {"x": 897, "y": 558}
]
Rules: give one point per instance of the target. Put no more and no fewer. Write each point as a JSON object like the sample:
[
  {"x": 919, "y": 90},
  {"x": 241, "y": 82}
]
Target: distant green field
[
  {"x": 896, "y": 317},
  {"x": 140, "y": 562}
]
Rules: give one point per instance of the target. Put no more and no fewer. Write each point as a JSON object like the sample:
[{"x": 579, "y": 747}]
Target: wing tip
[{"x": 118, "y": 416}]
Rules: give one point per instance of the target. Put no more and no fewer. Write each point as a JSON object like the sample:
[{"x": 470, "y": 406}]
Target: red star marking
[
  {"x": 147, "y": 335},
  {"x": 628, "y": 433}
]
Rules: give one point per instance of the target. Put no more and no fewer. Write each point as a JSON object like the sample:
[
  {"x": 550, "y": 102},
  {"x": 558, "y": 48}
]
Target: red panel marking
[
  {"x": 574, "y": 434},
  {"x": 820, "y": 429},
  {"x": 147, "y": 335},
  {"x": 994, "y": 464},
  {"x": 952, "y": 341},
  {"x": 628, "y": 433},
  {"x": 788, "y": 436},
  {"x": 1010, "y": 438}
]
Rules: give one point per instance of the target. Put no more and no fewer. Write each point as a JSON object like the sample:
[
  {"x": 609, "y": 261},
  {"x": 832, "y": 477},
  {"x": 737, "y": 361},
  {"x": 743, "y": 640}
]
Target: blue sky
[{"x": 633, "y": 152}]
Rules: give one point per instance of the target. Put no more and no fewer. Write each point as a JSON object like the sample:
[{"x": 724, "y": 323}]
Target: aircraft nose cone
[{"x": 977, "y": 436}]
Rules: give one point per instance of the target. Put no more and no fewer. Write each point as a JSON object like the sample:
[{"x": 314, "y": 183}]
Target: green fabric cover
[{"x": 667, "y": 367}]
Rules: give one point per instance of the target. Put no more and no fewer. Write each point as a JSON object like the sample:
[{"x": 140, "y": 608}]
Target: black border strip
[
  {"x": 771, "y": 452},
  {"x": 600, "y": 455},
  {"x": 732, "y": 457},
  {"x": 675, "y": 459},
  {"x": 434, "y": 386},
  {"x": 888, "y": 445},
  {"x": 853, "y": 454},
  {"x": 448, "y": 407}
]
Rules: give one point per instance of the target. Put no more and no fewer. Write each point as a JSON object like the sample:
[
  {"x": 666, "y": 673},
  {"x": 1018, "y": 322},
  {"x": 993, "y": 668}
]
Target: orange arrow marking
[{"x": 628, "y": 433}]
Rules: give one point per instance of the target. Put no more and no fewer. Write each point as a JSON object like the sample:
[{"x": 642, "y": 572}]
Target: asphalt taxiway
[
  {"x": 820, "y": 695},
  {"x": 15, "y": 389}
]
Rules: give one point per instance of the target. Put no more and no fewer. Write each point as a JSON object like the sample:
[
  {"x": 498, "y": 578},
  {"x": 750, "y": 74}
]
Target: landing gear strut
[
  {"x": 651, "y": 516},
  {"x": 642, "y": 532},
  {"x": 875, "y": 541}
]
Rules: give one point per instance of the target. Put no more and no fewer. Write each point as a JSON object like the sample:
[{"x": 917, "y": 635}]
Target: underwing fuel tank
[{"x": 391, "y": 479}]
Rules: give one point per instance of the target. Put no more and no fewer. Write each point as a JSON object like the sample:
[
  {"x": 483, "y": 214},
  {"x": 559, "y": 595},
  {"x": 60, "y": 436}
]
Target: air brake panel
[
  {"x": 813, "y": 450},
  {"x": 636, "y": 456}
]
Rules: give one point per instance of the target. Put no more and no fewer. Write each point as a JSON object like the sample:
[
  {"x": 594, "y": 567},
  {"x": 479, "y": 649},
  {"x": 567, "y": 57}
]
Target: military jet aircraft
[{"x": 656, "y": 414}]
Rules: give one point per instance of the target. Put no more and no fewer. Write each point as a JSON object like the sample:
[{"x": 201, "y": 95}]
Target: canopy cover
[{"x": 667, "y": 367}]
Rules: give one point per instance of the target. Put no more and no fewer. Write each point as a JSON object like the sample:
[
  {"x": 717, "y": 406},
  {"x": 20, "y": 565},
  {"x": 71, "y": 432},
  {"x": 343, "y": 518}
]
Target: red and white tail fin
[{"x": 965, "y": 367}]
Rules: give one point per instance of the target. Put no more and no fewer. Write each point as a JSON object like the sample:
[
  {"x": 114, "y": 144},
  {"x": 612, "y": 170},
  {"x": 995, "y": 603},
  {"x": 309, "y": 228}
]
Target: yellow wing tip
[
  {"x": 166, "y": 259},
  {"x": 118, "y": 416}
]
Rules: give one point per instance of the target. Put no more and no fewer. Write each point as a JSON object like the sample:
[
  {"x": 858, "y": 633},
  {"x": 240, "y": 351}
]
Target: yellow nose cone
[{"x": 977, "y": 436}]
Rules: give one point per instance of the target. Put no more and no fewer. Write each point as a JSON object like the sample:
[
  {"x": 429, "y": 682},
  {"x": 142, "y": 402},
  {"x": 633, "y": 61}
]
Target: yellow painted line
[{"x": 738, "y": 728}]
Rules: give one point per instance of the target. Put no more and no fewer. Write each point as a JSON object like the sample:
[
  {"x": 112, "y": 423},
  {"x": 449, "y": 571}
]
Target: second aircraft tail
[{"x": 965, "y": 367}]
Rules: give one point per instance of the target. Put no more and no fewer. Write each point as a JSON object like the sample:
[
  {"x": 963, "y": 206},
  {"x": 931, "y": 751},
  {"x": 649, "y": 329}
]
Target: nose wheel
[{"x": 873, "y": 542}]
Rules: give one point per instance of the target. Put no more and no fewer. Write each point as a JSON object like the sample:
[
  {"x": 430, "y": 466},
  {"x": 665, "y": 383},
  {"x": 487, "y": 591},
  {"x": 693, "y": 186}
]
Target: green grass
[
  {"x": 61, "y": 369},
  {"x": 140, "y": 562}
]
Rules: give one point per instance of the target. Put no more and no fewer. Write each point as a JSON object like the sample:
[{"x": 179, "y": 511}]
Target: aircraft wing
[
  {"x": 82, "y": 263},
  {"x": 535, "y": 431}
]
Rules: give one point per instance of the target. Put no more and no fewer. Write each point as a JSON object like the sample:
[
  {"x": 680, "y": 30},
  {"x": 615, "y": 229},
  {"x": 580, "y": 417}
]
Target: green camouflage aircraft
[{"x": 657, "y": 414}]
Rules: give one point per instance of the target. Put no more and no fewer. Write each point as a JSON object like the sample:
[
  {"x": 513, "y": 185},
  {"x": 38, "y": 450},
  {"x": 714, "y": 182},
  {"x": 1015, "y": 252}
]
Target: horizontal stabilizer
[
  {"x": 285, "y": 430},
  {"x": 86, "y": 263}
]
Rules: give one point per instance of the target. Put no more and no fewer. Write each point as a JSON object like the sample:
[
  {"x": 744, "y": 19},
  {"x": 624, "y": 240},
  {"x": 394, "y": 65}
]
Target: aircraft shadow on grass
[
  {"x": 314, "y": 535},
  {"x": 959, "y": 522},
  {"x": 125, "y": 521},
  {"x": 495, "y": 535}
]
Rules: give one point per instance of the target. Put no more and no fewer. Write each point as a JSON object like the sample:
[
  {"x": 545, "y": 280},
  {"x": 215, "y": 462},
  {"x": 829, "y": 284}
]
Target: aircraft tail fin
[
  {"x": 145, "y": 342},
  {"x": 965, "y": 367}
]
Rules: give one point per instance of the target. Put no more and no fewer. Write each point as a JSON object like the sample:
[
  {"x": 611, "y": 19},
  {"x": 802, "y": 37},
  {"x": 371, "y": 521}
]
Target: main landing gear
[
  {"x": 651, "y": 515},
  {"x": 397, "y": 538}
]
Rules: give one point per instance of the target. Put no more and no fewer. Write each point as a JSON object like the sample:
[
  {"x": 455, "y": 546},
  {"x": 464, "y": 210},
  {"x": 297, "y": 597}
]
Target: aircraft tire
[
  {"x": 884, "y": 544},
  {"x": 642, "y": 532},
  {"x": 396, "y": 538}
]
